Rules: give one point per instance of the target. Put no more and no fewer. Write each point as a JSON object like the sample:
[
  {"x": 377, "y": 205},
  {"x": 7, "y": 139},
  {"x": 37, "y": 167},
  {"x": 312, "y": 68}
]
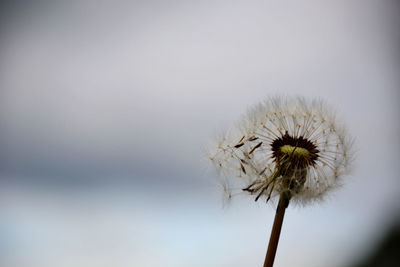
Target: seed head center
[
  {"x": 298, "y": 150},
  {"x": 295, "y": 151}
]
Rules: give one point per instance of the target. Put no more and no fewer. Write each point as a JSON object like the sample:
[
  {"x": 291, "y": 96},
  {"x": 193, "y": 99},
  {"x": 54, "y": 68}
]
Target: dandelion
[{"x": 291, "y": 149}]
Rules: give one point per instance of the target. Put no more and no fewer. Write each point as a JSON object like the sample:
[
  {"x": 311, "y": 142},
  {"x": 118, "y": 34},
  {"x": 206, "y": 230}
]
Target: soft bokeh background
[{"x": 107, "y": 107}]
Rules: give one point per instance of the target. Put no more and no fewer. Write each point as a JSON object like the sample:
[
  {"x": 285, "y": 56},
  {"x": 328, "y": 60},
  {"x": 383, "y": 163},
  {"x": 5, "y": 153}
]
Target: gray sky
[{"x": 106, "y": 109}]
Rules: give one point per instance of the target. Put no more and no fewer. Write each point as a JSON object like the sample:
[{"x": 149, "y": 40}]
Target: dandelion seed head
[{"x": 291, "y": 146}]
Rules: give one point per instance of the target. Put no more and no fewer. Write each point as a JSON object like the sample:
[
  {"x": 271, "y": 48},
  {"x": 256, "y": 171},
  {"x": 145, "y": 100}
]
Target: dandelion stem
[{"x": 276, "y": 230}]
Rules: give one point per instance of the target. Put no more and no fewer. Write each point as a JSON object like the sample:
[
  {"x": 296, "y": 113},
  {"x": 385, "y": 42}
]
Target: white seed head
[{"x": 289, "y": 146}]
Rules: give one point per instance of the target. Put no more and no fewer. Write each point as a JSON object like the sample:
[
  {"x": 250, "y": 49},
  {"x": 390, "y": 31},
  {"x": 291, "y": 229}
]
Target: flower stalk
[{"x": 276, "y": 231}]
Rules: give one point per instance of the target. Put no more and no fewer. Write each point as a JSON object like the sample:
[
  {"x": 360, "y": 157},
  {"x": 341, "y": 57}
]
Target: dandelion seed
[
  {"x": 254, "y": 148},
  {"x": 302, "y": 153},
  {"x": 239, "y": 145}
]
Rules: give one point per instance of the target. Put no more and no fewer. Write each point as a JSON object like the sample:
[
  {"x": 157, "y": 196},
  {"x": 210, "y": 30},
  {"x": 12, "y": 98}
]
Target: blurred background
[{"x": 107, "y": 109}]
